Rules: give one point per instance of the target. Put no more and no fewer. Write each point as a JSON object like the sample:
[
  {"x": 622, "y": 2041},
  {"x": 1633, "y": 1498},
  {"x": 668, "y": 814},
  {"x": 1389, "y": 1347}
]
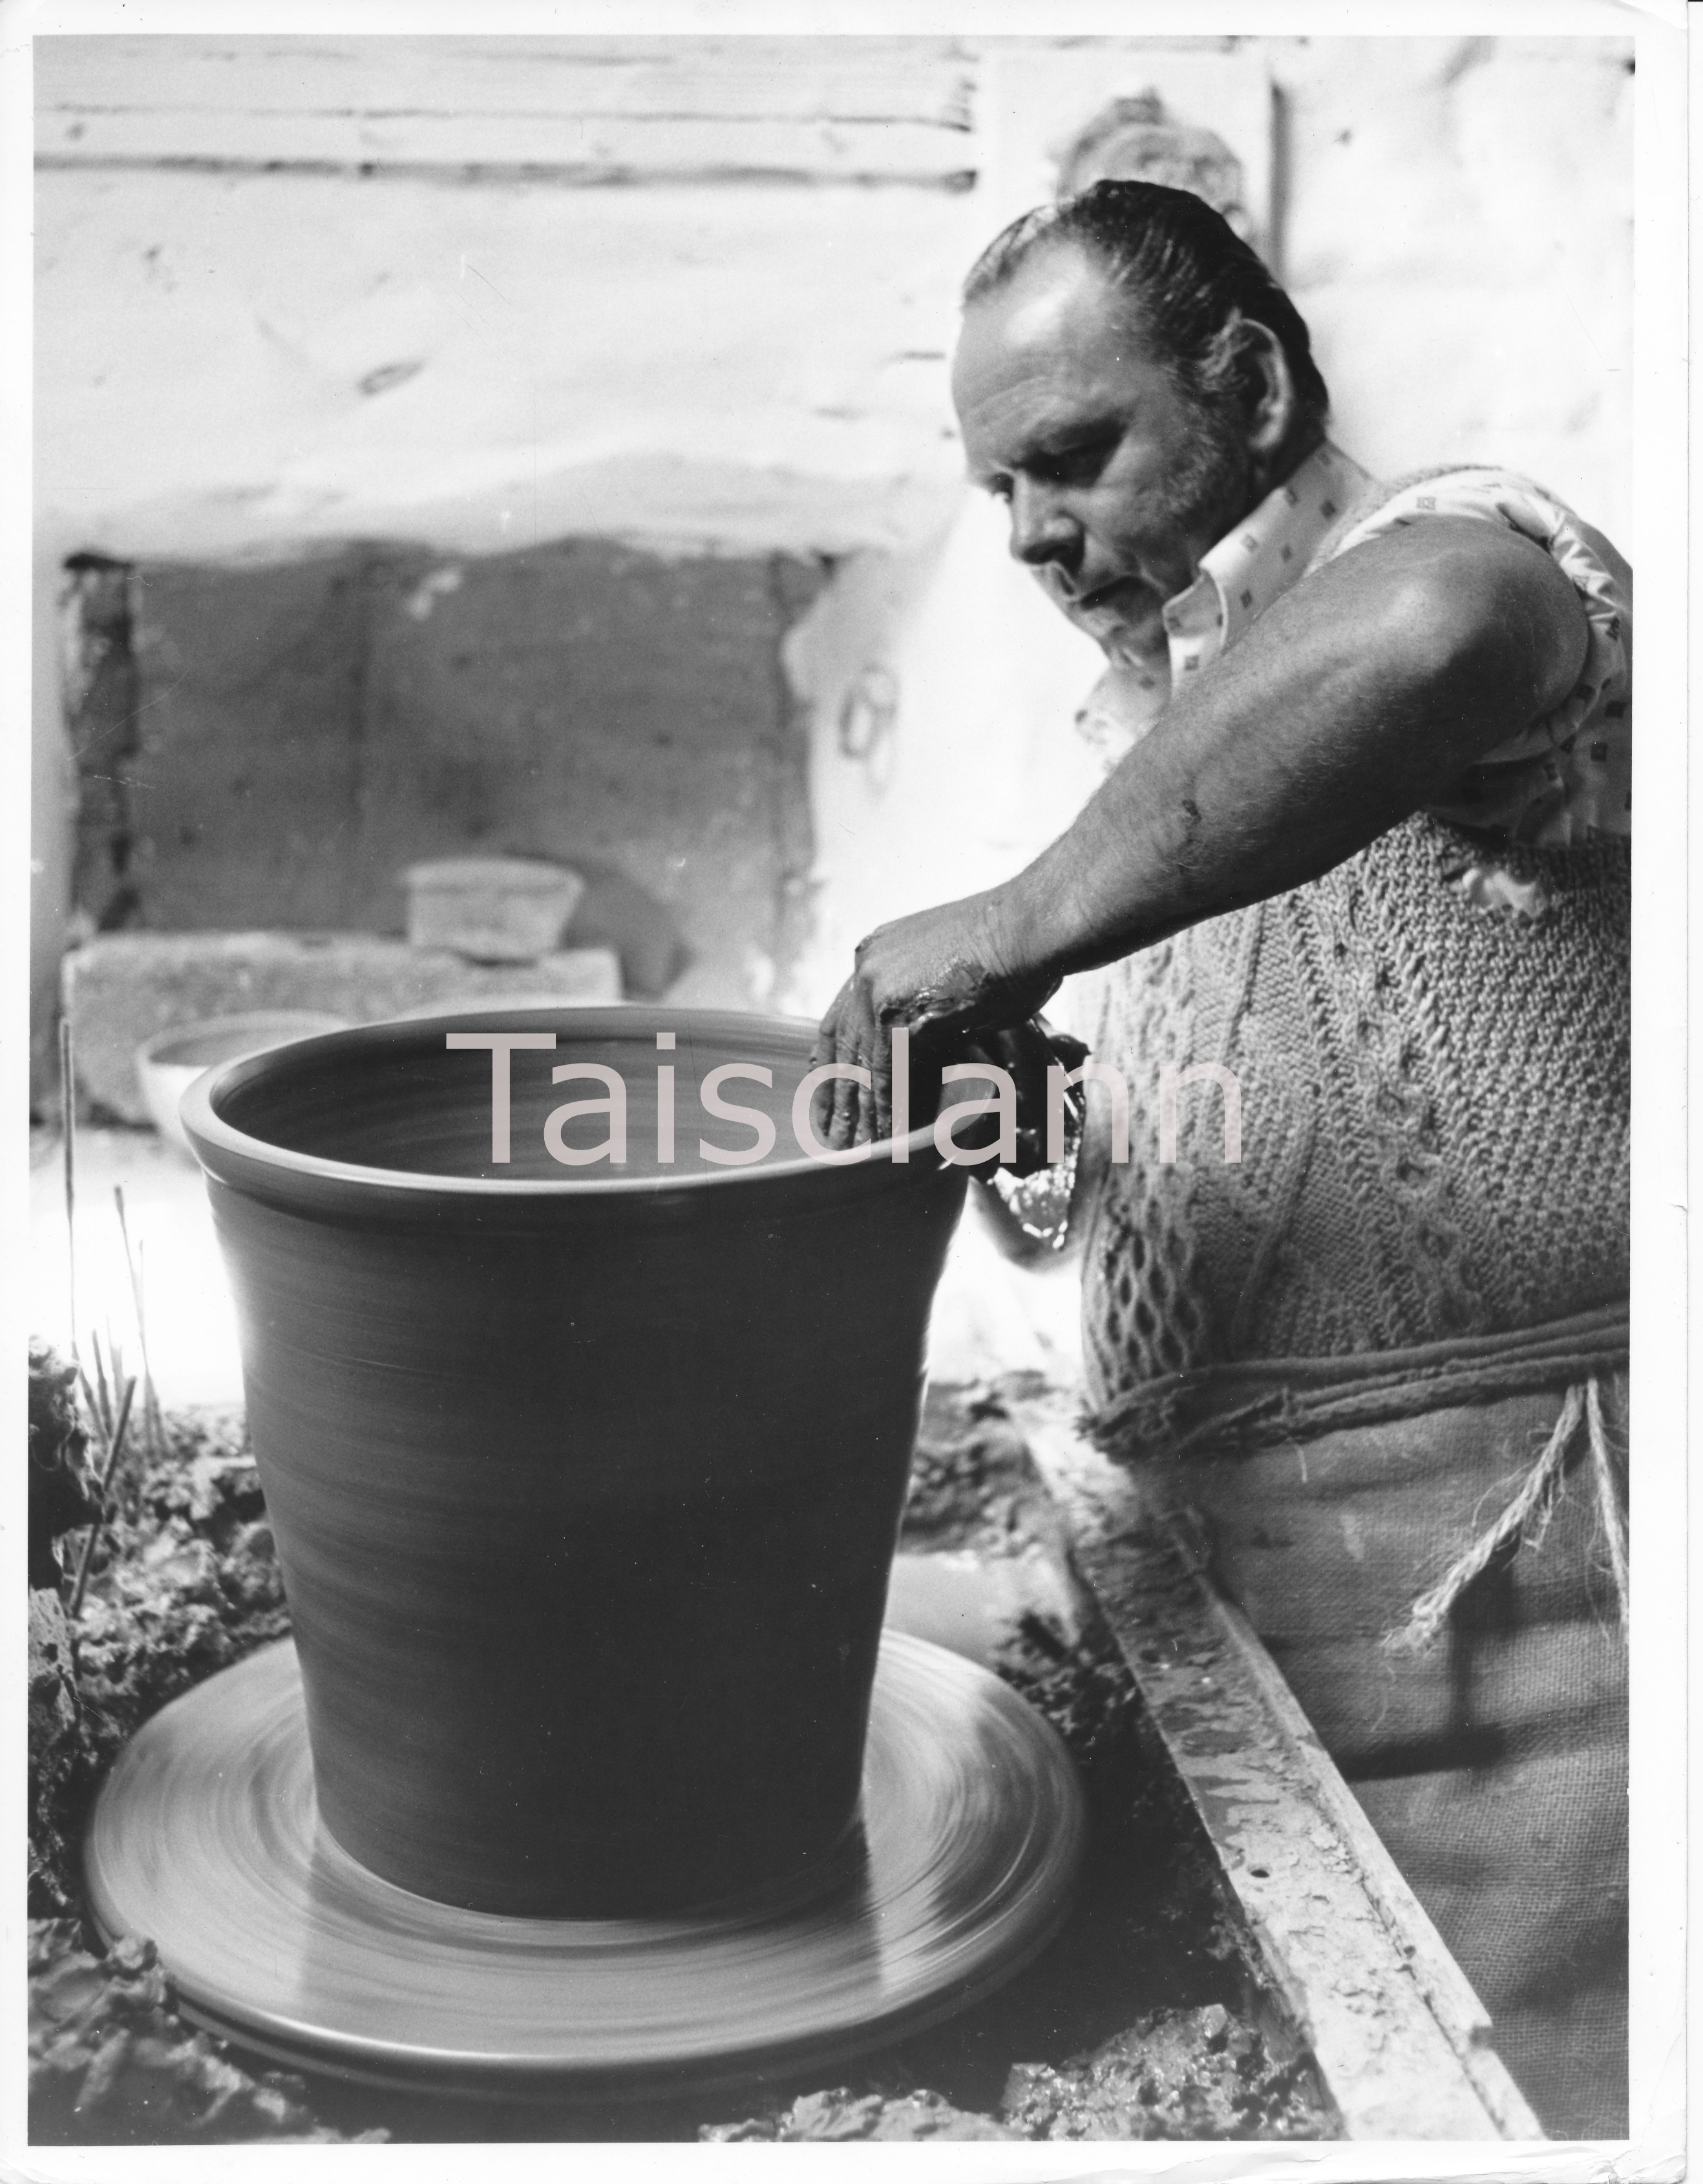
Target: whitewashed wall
[
  {"x": 1459, "y": 239},
  {"x": 700, "y": 294},
  {"x": 483, "y": 293}
]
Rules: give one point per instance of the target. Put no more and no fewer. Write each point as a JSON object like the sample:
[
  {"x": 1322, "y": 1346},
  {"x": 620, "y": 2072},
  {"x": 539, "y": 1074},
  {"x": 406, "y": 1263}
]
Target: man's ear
[{"x": 1269, "y": 389}]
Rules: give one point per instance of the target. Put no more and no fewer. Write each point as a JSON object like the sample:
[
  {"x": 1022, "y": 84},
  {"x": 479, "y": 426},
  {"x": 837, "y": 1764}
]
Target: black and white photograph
[{"x": 854, "y": 1138}]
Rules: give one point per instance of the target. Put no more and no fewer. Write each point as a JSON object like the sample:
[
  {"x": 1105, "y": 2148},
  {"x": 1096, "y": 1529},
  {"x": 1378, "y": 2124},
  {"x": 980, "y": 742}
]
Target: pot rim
[{"x": 212, "y": 1136}]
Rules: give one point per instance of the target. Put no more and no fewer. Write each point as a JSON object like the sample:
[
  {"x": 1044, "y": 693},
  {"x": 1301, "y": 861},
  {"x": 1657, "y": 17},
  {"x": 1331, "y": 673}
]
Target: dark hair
[{"x": 1189, "y": 278}]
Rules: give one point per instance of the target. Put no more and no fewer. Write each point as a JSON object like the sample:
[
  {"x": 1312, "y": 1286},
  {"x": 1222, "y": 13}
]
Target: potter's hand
[
  {"x": 957, "y": 978},
  {"x": 1028, "y": 1051}
]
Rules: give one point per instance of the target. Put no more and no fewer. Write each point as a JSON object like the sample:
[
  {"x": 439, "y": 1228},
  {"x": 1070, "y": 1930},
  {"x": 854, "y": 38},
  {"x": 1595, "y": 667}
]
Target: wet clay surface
[
  {"x": 647, "y": 1435},
  {"x": 1133, "y": 2023}
]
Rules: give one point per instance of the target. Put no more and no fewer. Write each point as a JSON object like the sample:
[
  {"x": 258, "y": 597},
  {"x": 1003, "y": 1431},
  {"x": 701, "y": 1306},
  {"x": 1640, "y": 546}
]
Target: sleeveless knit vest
[{"x": 1431, "y": 1203}]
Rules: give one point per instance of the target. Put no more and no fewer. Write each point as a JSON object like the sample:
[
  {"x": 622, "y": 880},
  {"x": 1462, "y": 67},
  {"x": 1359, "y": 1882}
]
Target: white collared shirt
[{"x": 1259, "y": 561}]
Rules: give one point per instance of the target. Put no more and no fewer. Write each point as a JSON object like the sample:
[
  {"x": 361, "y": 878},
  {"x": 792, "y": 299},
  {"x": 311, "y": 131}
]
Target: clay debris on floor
[
  {"x": 1176, "y": 2074},
  {"x": 185, "y": 1582},
  {"x": 111, "y": 2061},
  {"x": 1131, "y": 2024}
]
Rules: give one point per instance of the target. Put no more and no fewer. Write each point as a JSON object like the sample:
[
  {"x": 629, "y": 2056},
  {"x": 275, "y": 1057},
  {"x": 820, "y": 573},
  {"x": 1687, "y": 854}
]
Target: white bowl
[{"x": 169, "y": 1062}]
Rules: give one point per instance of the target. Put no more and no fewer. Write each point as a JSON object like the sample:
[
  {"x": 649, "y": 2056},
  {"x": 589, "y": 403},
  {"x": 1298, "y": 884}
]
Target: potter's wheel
[{"x": 206, "y": 1840}]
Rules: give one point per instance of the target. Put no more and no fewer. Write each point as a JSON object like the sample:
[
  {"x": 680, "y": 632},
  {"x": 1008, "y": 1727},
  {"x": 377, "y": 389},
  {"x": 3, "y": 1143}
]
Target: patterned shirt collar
[{"x": 1258, "y": 561}]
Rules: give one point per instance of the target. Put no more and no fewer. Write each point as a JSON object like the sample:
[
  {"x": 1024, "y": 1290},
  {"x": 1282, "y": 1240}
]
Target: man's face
[{"x": 1117, "y": 484}]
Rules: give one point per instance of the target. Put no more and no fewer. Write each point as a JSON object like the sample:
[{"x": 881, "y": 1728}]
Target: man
[{"x": 1365, "y": 853}]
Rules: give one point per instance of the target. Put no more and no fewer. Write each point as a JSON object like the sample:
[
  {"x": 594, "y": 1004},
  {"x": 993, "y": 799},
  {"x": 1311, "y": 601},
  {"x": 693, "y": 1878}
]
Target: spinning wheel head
[{"x": 207, "y": 1839}]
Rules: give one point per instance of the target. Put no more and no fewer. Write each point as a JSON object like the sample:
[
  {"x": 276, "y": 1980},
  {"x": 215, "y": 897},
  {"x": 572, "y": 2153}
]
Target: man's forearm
[{"x": 1356, "y": 699}]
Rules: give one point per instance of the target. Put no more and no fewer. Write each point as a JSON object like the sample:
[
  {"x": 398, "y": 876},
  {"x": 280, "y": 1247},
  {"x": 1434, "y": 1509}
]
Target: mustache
[
  {"x": 1074, "y": 599},
  {"x": 1098, "y": 594}
]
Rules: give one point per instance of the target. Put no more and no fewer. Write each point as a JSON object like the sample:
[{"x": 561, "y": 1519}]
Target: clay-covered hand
[
  {"x": 1028, "y": 1051},
  {"x": 951, "y": 976}
]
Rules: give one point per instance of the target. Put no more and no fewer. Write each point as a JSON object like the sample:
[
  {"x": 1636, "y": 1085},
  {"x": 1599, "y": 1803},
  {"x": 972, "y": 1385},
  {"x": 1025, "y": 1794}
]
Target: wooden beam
[
  {"x": 599, "y": 111},
  {"x": 1402, "y": 2042}
]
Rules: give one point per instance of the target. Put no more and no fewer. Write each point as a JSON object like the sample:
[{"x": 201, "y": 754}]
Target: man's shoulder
[
  {"x": 1399, "y": 494},
  {"x": 1492, "y": 493}
]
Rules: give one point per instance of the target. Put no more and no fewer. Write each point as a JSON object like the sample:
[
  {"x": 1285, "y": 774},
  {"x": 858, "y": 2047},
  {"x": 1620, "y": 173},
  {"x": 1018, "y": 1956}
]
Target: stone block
[
  {"x": 491, "y": 910},
  {"x": 120, "y": 989}
]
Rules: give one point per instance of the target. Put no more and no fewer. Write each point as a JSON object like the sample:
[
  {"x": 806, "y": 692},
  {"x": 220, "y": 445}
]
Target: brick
[{"x": 120, "y": 989}]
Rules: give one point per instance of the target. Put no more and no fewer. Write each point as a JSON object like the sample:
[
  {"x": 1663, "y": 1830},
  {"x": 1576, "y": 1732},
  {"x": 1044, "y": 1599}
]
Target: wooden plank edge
[
  {"x": 1107, "y": 1519},
  {"x": 565, "y": 175},
  {"x": 1449, "y": 1992}
]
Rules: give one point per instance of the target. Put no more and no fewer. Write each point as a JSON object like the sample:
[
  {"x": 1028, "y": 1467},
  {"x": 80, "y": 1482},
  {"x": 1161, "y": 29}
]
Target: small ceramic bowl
[{"x": 169, "y": 1062}]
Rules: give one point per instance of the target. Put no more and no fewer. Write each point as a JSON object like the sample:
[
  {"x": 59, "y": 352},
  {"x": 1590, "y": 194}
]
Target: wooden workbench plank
[
  {"x": 1448, "y": 1993},
  {"x": 1400, "y": 2039}
]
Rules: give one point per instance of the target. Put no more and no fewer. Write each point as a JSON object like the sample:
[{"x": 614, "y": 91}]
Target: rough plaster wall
[
  {"x": 246, "y": 780},
  {"x": 483, "y": 367},
  {"x": 310, "y": 728},
  {"x": 727, "y": 343},
  {"x": 483, "y": 293},
  {"x": 975, "y": 766},
  {"x": 474, "y": 295},
  {"x": 1459, "y": 242},
  {"x": 481, "y": 357}
]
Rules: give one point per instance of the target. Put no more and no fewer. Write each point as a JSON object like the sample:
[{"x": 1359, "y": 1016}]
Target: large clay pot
[{"x": 585, "y": 1480}]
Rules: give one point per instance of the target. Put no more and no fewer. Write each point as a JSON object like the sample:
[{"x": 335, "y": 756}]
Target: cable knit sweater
[{"x": 1433, "y": 1048}]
